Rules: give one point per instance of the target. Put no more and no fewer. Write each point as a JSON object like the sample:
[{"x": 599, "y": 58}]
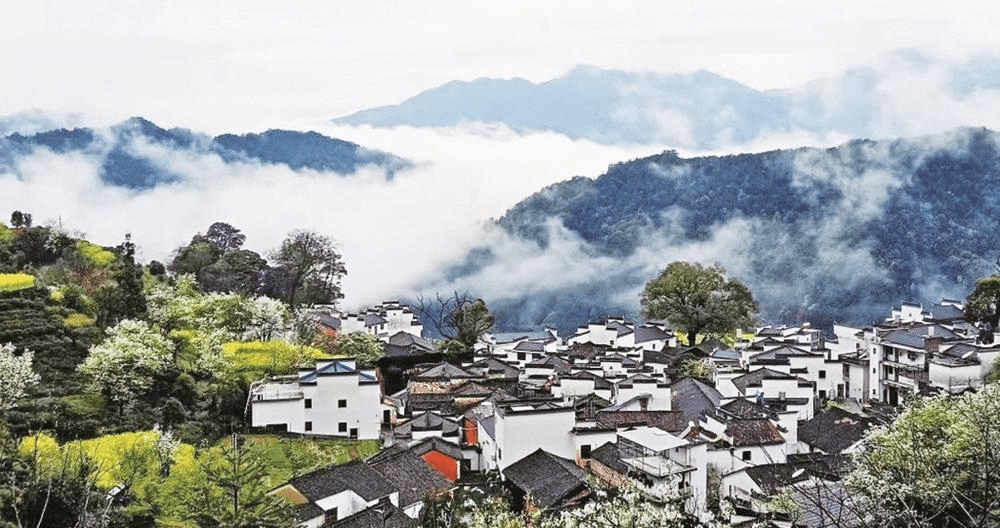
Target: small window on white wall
[{"x": 746, "y": 456}]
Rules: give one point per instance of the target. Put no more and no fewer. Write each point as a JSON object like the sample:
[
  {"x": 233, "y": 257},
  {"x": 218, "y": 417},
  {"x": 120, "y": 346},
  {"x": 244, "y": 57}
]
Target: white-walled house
[
  {"x": 654, "y": 391},
  {"x": 334, "y": 399},
  {"x": 778, "y": 390},
  {"x": 962, "y": 366},
  {"x": 521, "y": 428}
]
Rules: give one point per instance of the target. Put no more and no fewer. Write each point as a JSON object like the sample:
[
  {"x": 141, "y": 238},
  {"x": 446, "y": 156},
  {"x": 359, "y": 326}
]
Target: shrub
[
  {"x": 15, "y": 281},
  {"x": 94, "y": 254},
  {"x": 271, "y": 358}
]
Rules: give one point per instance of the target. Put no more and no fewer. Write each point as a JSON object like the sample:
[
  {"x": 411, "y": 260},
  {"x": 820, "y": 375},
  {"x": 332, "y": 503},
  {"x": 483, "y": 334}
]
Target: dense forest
[{"x": 817, "y": 234}]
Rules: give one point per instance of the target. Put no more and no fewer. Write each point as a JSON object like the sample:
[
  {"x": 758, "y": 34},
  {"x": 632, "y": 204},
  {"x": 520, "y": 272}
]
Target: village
[{"x": 777, "y": 413}]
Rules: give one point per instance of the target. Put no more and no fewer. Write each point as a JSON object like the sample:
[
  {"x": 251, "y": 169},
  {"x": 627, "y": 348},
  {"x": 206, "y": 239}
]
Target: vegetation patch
[
  {"x": 15, "y": 281},
  {"x": 289, "y": 457},
  {"x": 85, "y": 405},
  {"x": 257, "y": 358},
  {"x": 78, "y": 320},
  {"x": 94, "y": 254}
]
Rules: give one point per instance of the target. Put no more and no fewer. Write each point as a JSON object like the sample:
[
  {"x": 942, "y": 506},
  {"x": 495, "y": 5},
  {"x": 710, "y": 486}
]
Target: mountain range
[
  {"x": 131, "y": 152},
  {"x": 817, "y": 234},
  {"x": 705, "y": 111}
]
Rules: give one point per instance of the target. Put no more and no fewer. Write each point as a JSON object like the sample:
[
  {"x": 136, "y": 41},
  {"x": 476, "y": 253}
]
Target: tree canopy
[
  {"x": 937, "y": 464},
  {"x": 983, "y": 304},
  {"x": 308, "y": 269},
  {"x": 698, "y": 300}
]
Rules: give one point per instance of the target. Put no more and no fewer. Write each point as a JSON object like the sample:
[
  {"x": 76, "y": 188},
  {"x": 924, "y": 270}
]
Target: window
[
  {"x": 342, "y": 427},
  {"x": 342, "y": 403},
  {"x": 309, "y": 403},
  {"x": 520, "y": 356},
  {"x": 309, "y": 426},
  {"x": 499, "y": 453},
  {"x": 585, "y": 451},
  {"x": 746, "y": 456},
  {"x": 822, "y": 374}
]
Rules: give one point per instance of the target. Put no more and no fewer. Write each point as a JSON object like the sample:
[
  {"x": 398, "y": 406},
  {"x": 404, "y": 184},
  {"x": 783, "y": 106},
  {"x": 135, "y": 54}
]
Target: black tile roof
[
  {"x": 670, "y": 421},
  {"x": 753, "y": 432},
  {"x": 548, "y": 479},
  {"x": 385, "y": 515},
  {"x": 609, "y": 455},
  {"x": 833, "y": 430},
  {"x": 436, "y": 443},
  {"x": 408, "y": 473},
  {"x": 693, "y": 398},
  {"x": 356, "y": 476},
  {"x": 771, "y": 478},
  {"x": 754, "y": 378}
]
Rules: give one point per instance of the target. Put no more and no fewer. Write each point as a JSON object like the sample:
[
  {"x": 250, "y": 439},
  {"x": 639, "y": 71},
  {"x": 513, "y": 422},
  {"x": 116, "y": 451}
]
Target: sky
[
  {"x": 217, "y": 66},
  {"x": 247, "y": 66}
]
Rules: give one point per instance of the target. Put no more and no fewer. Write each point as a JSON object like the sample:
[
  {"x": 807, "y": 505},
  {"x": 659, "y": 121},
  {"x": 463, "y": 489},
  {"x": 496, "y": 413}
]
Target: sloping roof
[
  {"x": 385, "y": 515},
  {"x": 356, "y": 476},
  {"x": 334, "y": 367},
  {"x": 781, "y": 354},
  {"x": 328, "y": 320},
  {"x": 771, "y": 478},
  {"x": 492, "y": 368},
  {"x": 644, "y": 379},
  {"x": 754, "y": 378},
  {"x": 402, "y": 338},
  {"x": 672, "y": 421},
  {"x": 645, "y": 334},
  {"x": 833, "y": 430},
  {"x": 529, "y": 346},
  {"x": 744, "y": 408},
  {"x": 962, "y": 354},
  {"x": 443, "y": 371},
  {"x": 692, "y": 398},
  {"x": 408, "y": 473},
  {"x": 548, "y": 479},
  {"x": 427, "y": 421},
  {"x": 753, "y": 432},
  {"x": 619, "y": 327},
  {"x": 558, "y": 364},
  {"x": 436, "y": 443},
  {"x": 660, "y": 357},
  {"x": 945, "y": 312},
  {"x": 915, "y": 337},
  {"x": 609, "y": 455},
  {"x": 599, "y": 382}
]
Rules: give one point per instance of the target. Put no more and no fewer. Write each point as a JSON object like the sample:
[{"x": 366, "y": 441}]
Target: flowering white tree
[
  {"x": 125, "y": 364},
  {"x": 183, "y": 306},
  {"x": 16, "y": 375}
]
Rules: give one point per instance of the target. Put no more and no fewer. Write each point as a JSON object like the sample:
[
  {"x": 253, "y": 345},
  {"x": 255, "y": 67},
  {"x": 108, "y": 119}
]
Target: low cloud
[{"x": 391, "y": 233}]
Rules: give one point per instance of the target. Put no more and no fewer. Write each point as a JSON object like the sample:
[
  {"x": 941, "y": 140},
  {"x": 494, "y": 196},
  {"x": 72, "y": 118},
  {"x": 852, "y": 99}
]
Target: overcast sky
[
  {"x": 246, "y": 66},
  {"x": 220, "y": 66}
]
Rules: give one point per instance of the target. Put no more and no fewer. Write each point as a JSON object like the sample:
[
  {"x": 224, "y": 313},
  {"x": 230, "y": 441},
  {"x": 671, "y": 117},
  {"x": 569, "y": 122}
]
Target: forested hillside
[
  {"x": 817, "y": 234},
  {"x": 136, "y": 153}
]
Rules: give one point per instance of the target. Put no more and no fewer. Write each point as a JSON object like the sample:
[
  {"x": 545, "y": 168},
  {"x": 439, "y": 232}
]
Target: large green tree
[
  {"x": 983, "y": 304},
  {"x": 471, "y": 321},
  {"x": 308, "y": 269},
  {"x": 362, "y": 346},
  {"x": 699, "y": 300}
]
